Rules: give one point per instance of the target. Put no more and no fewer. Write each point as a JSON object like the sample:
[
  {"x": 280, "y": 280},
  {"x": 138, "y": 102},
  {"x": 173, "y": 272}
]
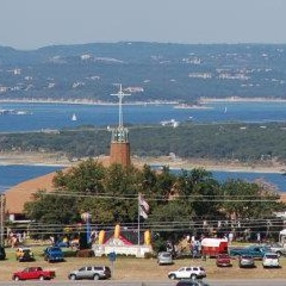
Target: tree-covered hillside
[
  {"x": 243, "y": 142},
  {"x": 151, "y": 71}
]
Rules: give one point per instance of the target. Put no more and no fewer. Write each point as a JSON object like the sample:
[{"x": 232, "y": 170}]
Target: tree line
[
  {"x": 234, "y": 141},
  {"x": 177, "y": 201}
]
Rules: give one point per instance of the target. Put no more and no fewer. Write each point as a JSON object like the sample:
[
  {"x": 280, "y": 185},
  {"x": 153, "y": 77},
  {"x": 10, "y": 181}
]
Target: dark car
[
  {"x": 24, "y": 254},
  {"x": 246, "y": 261},
  {"x": 2, "y": 253},
  {"x": 90, "y": 272},
  {"x": 191, "y": 283},
  {"x": 223, "y": 260},
  {"x": 53, "y": 254}
]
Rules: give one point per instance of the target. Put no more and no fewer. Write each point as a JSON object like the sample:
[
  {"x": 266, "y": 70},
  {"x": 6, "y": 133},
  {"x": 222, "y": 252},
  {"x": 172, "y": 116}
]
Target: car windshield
[
  {"x": 271, "y": 256},
  {"x": 56, "y": 250},
  {"x": 223, "y": 256},
  {"x": 246, "y": 257}
]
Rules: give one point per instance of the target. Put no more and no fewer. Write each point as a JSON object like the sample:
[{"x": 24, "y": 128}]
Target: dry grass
[{"x": 139, "y": 269}]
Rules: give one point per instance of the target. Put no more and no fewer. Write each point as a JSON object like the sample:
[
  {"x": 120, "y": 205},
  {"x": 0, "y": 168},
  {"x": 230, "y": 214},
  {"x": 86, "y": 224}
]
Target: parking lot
[{"x": 129, "y": 268}]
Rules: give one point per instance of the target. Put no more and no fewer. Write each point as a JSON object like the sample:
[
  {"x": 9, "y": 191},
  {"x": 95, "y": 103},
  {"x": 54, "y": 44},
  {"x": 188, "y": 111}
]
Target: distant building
[{"x": 134, "y": 89}]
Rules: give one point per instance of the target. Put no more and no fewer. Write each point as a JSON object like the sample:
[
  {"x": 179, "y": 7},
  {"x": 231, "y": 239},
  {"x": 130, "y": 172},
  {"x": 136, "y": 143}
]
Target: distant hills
[{"x": 150, "y": 71}]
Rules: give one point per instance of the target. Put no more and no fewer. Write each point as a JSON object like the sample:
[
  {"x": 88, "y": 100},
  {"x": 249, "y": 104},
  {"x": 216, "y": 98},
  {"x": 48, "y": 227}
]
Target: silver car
[
  {"x": 246, "y": 261},
  {"x": 90, "y": 272},
  {"x": 165, "y": 258},
  {"x": 278, "y": 248}
]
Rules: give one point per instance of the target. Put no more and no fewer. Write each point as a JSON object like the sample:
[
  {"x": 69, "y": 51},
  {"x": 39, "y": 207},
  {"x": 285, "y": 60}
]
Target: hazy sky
[{"x": 30, "y": 24}]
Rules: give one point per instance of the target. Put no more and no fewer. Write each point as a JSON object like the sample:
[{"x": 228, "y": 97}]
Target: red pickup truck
[{"x": 34, "y": 273}]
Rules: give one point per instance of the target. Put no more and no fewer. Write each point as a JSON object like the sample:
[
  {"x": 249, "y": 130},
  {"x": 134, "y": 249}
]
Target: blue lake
[
  {"x": 15, "y": 174},
  {"x": 277, "y": 180},
  {"x": 58, "y": 116}
]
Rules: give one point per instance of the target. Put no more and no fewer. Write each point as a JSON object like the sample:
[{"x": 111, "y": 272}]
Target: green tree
[
  {"x": 247, "y": 200},
  {"x": 52, "y": 208},
  {"x": 201, "y": 190},
  {"x": 86, "y": 178}
]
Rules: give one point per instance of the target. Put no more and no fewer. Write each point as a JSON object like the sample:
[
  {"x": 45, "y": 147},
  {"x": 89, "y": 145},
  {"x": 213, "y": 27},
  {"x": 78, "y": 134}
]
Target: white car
[
  {"x": 270, "y": 260},
  {"x": 189, "y": 272}
]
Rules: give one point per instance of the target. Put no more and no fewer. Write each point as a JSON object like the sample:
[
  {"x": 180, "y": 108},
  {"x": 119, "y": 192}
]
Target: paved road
[{"x": 257, "y": 282}]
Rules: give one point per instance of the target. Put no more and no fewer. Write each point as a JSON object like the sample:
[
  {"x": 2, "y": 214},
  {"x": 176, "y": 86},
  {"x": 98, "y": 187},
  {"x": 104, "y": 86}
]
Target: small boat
[
  {"x": 225, "y": 110},
  {"x": 74, "y": 118}
]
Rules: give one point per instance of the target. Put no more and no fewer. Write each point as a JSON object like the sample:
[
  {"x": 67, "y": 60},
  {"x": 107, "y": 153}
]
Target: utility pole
[{"x": 2, "y": 218}]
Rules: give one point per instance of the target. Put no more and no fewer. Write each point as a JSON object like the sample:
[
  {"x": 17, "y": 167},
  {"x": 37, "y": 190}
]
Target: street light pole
[
  {"x": 86, "y": 216},
  {"x": 2, "y": 218}
]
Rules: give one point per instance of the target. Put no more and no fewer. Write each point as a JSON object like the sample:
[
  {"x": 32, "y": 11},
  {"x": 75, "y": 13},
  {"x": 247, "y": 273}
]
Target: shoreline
[
  {"x": 176, "y": 103},
  {"x": 34, "y": 159},
  {"x": 86, "y": 102},
  {"x": 241, "y": 99},
  {"x": 231, "y": 167},
  {"x": 60, "y": 160}
]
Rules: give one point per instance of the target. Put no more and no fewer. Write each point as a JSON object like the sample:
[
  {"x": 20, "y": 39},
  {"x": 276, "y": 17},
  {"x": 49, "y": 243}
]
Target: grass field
[{"x": 129, "y": 268}]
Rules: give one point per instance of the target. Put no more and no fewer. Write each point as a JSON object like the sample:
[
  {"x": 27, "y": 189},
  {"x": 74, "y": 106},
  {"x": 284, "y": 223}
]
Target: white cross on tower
[{"x": 120, "y": 96}]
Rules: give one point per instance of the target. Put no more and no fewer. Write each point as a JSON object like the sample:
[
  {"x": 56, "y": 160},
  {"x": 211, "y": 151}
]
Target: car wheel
[
  {"x": 72, "y": 277},
  {"x": 96, "y": 277},
  {"x": 16, "y": 278},
  {"x": 172, "y": 276},
  {"x": 193, "y": 276},
  {"x": 41, "y": 278}
]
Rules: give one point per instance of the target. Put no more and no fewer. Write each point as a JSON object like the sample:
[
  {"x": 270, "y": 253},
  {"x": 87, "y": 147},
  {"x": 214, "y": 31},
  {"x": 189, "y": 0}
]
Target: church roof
[{"x": 18, "y": 195}]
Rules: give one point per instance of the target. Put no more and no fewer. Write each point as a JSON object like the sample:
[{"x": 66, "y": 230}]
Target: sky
[{"x": 31, "y": 24}]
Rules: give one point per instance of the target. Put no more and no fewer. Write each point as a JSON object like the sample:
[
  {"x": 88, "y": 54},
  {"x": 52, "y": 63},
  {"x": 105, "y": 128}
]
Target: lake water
[
  {"x": 277, "y": 180},
  {"x": 57, "y": 116},
  {"x": 14, "y": 174}
]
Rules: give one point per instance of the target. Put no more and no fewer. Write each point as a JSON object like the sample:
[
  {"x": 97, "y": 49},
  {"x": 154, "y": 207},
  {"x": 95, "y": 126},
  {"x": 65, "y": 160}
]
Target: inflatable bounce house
[{"x": 123, "y": 242}]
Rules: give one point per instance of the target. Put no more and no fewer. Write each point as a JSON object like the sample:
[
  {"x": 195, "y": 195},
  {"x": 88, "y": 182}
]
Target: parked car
[
  {"x": 270, "y": 260},
  {"x": 257, "y": 252},
  {"x": 2, "y": 253},
  {"x": 189, "y": 272},
  {"x": 164, "y": 258},
  {"x": 223, "y": 260},
  {"x": 278, "y": 248},
  {"x": 90, "y": 272},
  {"x": 24, "y": 254},
  {"x": 246, "y": 261},
  {"x": 191, "y": 283},
  {"x": 34, "y": 273},
  {"x": 53, "y": 254}
]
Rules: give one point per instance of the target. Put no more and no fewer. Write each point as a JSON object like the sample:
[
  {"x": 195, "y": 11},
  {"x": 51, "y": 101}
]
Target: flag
[{"x": 143, "y": 207}]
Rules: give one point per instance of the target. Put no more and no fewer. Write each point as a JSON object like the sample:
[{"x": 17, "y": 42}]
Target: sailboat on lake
[{"x": 74, "y": 118}]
